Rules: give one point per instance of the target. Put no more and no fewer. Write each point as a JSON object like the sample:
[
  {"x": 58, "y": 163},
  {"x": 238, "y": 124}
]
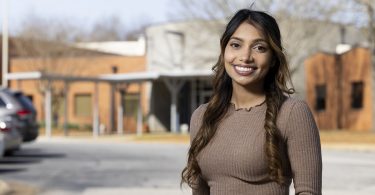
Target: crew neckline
[{"x": 233, "y": 106}]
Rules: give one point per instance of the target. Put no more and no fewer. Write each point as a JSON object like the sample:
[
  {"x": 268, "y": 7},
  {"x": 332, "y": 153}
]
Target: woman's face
[{"x": 247, "y": 56}]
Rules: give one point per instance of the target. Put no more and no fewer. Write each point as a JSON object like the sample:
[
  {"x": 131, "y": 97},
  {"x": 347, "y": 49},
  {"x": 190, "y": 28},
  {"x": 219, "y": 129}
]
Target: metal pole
[
  {"x": 95, "y": 123},
  {"x": 174, "y": 87},
  {"x": 5, "y": 45},
  {"x": 193, "y": 98},
  {"x": 139, "y": 112},
  {"x": 112, "y": 101},
  {"x": 48, "y": 109},
  {"x": 66, "y": 89},
  {"x": 120, "y": 112}
]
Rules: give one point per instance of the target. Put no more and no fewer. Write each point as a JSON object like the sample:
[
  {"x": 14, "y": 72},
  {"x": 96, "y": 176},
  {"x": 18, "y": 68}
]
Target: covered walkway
[{"x": 173, "y": 80}]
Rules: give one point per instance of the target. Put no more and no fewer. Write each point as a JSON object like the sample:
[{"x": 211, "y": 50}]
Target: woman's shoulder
[
  {"x": 291, "y": 106},
  {"x": 196, "y": 120},
  {"x": 292, "y": 103},
  {"x": 199, "y": 111}
]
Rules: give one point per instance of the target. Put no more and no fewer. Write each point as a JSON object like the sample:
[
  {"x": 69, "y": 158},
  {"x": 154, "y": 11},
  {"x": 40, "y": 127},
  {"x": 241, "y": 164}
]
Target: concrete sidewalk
[
  {"x": 136, "y": 191},
  {"x": 16, "y": 188}
]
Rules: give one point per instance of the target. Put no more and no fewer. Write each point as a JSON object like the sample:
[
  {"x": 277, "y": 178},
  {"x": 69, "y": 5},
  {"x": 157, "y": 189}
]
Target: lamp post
[{"x": 5, "y": 44}]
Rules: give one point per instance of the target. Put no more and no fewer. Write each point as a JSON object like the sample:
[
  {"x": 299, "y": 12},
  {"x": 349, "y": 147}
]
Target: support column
[
  {"x": 5, "y": 44},
  {"x": 372, "y": 75},
  {"x": 48, "y": 109},
  {"x": 193, "y": 92},
  {"x": 66, "y": 89},
  {"x": 95, "y": 120},
  {"x": 120, "y": 115},
  {"x": 174, "y": 87},
  {"x": 112, "y": 101},
  {"x": 139, "y": 112}
]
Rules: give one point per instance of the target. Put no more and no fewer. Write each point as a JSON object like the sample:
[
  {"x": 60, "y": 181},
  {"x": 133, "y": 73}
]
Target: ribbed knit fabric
[{"x": 234, "y": 162}]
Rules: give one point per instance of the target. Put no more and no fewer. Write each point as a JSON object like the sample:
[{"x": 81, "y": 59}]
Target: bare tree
[
  {"x": 46, "y": 44},
  {"x": 108, "y": 29},
  {"x": 306, "y": 25}
]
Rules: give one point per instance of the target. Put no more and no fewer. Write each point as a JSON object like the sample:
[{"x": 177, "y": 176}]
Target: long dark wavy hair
[{"x": 275, "y": 88}]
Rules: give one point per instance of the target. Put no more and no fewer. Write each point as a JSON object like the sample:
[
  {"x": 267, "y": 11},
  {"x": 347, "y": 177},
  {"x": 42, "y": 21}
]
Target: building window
[
  {"x": 82, "y": 105},
  {"x": 320, "y": 101},
  {"x": 357, "y": 95},
  {"x": 130, "y": 104}
]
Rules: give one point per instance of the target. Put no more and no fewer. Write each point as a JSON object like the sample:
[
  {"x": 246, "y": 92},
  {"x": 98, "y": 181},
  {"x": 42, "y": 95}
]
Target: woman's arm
[{"x": 303, "y": 145}]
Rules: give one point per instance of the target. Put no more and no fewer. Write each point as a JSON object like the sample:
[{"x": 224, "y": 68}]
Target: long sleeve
[
  {"x": 304, "y": 150},
  {"x": 196, "y": 120}
]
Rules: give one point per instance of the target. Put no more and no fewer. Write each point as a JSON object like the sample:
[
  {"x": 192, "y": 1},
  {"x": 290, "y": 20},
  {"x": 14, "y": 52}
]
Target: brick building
[
  {"x": 339, "y": 89},
  {"x": 84, "y": 63}
]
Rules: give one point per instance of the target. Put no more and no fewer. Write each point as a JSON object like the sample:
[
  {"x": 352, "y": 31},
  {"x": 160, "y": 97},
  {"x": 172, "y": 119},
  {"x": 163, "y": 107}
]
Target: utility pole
[{"x": 5, "y": 45}]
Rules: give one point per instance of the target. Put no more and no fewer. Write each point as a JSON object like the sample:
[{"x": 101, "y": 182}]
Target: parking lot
[{"x": 88, "y": 166}]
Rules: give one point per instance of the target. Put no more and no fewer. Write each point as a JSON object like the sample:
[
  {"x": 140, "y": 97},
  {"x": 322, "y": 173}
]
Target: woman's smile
[{"x": 244, "y": 70}]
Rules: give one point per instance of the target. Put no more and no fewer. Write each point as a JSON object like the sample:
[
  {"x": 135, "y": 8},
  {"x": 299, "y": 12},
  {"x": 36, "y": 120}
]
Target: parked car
[
  {"x": 15, "y": 104},
  {"x": 10, "y": 136}
]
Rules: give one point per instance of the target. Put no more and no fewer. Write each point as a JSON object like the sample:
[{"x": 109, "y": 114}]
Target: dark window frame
[
  {"x": 320, "y": 97},
  {"x": 357, "y": 95}
]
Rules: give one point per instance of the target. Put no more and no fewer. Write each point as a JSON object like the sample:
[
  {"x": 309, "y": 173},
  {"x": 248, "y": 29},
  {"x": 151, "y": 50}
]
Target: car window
[
  {"x": 2, "y": 103},
  {"x": 24, "y": 101}
]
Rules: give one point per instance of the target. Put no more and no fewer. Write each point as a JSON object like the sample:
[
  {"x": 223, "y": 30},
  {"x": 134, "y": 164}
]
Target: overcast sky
[{"x": 86, "y": 11}]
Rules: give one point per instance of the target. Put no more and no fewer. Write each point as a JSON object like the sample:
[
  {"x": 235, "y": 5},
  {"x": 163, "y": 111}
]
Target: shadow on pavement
[
  {"x": 17, "y": 160},
  {"x": 11, "y": 170},
  {"x": 11, "y": 163},
  {"x": 35, "y": 154}
]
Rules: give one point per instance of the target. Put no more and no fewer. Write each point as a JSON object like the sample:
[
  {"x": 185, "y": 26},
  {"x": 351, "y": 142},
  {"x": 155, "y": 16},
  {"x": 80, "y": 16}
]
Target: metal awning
[
  {"x": 174, "y": 80},
  {"x": 116, "y": 78}
]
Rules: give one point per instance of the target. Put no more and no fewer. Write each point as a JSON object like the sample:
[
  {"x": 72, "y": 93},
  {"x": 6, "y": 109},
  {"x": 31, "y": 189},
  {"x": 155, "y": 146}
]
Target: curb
[
  {"x": 4, "y": 188},
  {"x": 349, "y": 146}
]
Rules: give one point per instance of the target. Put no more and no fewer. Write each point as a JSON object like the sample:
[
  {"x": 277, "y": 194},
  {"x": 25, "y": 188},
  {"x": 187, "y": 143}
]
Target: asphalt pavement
[{"x": 150, "y": 165}]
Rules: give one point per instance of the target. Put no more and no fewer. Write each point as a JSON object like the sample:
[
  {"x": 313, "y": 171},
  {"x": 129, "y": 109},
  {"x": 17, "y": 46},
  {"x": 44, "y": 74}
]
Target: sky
[{"x": 85, "y": 12}]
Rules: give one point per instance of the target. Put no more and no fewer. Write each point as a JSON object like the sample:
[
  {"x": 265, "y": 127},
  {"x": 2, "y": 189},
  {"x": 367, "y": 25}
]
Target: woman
[{"x": 251, "y": 137}]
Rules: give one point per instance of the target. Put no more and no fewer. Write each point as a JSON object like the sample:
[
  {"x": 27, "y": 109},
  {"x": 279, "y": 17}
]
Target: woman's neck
[{"x": 246, "y": 97}]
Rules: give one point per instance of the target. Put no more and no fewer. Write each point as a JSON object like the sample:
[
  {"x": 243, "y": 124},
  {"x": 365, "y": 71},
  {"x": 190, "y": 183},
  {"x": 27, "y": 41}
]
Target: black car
[{"x": 16, "y": 104}]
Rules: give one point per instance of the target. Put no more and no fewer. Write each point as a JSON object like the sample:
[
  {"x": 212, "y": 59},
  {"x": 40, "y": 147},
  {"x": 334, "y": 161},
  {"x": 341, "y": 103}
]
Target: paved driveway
[{"x": 63, "y": 166}]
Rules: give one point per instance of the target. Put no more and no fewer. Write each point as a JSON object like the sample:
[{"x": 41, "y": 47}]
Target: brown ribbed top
[{"x": 234, "y": 161}]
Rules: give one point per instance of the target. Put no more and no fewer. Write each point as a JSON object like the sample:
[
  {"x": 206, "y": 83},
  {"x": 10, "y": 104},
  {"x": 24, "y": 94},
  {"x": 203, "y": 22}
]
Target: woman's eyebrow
[{"x": 253, "y": 41}]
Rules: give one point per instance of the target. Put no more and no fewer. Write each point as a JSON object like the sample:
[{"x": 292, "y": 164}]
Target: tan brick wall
[
  {"x": 91, "y": 66},
  {"x": 357, "y": 67},
  {"x": 321, "y": 69},
  {"x": 338, "y": 72}
]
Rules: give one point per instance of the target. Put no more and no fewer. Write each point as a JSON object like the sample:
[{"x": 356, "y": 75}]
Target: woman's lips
[{"x": 244, "y": 70}]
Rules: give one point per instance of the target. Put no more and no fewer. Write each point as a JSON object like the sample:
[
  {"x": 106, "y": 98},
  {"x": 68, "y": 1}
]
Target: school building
[{"x": 158, "y": 90}]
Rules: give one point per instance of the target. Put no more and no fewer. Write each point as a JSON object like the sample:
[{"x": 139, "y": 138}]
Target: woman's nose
[{"x": 246, "y": 56}]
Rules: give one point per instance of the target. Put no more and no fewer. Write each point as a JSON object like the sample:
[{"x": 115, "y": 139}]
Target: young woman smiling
[{"x": 252, "y": 137}]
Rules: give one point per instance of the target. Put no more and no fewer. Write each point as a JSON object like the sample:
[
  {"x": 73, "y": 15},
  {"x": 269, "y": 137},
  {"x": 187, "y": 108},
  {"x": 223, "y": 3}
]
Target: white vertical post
[
  {"x": 201, "y": 92},
  {"x": 5, "y": 45},
  {"x": 95, "y": 123},
  {"x": 112, "y": 100},
  {"x": 139, "y": 112},
  {"x": 48, "y": 109},
  {"x": 174, "y": 87},
  {"x": 193, "y": 92},
  {"x": 120, "y": 116},
  {"x": 66, "y": 89}
]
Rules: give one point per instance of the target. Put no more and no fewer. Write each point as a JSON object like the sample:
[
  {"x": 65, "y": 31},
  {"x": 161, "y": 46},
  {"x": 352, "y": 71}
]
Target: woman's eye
[
  {"x": 260, "y": 48},
  {"x": 235, "y": 45}
]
